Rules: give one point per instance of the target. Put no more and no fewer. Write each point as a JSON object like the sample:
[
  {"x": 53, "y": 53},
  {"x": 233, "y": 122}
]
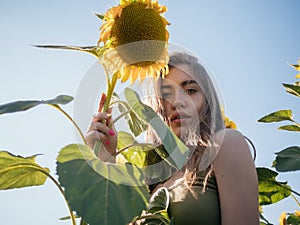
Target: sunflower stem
[
  {"x": 295, "y": 122},
  {"x": 63, "y": 193},
  {"x": 120, "y": 116},
  {"x": 107, "y": 77},
  {"x": 44, "y": 171},
  {"x": 110, "y": 91},
  {"x": 72, "y": 121},
  {"x": 132, "y": 145},
  {"x": 296, "y": 200}
]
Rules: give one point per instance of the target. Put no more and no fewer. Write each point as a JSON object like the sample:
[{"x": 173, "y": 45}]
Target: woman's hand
[{"x": 101, "y": 129}]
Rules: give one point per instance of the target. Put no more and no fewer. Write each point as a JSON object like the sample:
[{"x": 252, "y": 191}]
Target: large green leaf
[
  {"x": 292, "y": 89},
  {"x": 18, "y": 106},
  {"x": 288, "y": 159},
  {"x": 280, "y": 115},
  {"x": 96, "y": 51},
  {"x": 19, "y": 172},
  {"x": 136, "y": 125},
  {"x": 270, "y": 190},
  {"x": 137, "y": 152},
  {"x": 101, "y": 193},
  {"x": 294, "y": 128},
  {"x": 177, "y": 151},
  {"x": 158, "y": 166}
]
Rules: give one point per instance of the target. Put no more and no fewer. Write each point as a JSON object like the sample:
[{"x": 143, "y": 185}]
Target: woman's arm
[{"x": 237, "y": 181}]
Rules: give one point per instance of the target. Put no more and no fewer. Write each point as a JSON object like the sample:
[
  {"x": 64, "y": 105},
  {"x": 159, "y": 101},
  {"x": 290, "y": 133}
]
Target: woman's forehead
[{"x": 179, "y": 73}]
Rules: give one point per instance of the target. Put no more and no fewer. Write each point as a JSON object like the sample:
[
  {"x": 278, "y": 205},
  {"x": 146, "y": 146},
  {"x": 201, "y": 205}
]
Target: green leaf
[
  {"x": 158, "y": 220},
  {"x": 293, "y": 220},
  {"x": 136, "y": 125},
  {"x": 177, "y": 151},
  {"x": 280, "y": 115},
  {"x": 159, "y": 200},
  {"x": 288, "y": 159},
  {"x": 294, "y": 128},
  {"x": 59, "y": 100},
  {"x": 100, "y": 193},
  {"x": 19, "y": 172},
  {"x": 292, "y": 89},
  {"x": 270, "y": 190},
  {"x": 157, "y": 209},
  {"x": 96, "y": 51},
  {"x": 265, "y": 221},
  {"x": 136, "y": 154},
  {"x": 158, "y": 166},
  {"x": 18, "y": 106},
  {"x": 100, "y": 16}
]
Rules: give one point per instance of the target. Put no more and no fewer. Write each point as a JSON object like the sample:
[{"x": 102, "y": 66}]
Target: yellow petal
[
  {"x": 134, "y": 73},
  {"x": 166, "y": 70},
  {"x": 143, "y": 74},
  {"x": 149, "y": 5},
  {"x": 295, "y": 66},
  {"x": 125, "y": 75},
  {"x": 282, "y": 219},
  {"x": 114, "y": 12},
  {"x": 156, "y": 67}
]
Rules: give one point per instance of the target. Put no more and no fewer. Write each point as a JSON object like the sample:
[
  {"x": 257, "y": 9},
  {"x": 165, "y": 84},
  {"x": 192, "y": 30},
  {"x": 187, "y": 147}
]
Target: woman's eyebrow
[
  {"x": 182, "y": 84},
  {"x": 187, "y": 82},
  {"x": 165, "y": 86}
]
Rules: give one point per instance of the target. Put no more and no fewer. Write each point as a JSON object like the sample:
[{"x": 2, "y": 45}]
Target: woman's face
[{"x": 183, "y": 100}]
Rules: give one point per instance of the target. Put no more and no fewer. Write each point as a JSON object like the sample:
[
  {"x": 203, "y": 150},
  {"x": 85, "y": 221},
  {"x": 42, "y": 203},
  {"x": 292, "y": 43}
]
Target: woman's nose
[{"x": 179, "y": 100}]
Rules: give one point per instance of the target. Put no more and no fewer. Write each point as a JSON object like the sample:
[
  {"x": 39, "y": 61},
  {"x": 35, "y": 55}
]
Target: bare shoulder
[
  {"x": 234, "y": 160},
  {"x": 233, "y": 147},
  {"x": 236, "y": 177}
]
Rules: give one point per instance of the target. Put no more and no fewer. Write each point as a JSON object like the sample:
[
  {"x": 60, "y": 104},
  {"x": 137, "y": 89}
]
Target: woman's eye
[
  {"x": 166, "y": 95},
  {"x": 190, "y": 91}
]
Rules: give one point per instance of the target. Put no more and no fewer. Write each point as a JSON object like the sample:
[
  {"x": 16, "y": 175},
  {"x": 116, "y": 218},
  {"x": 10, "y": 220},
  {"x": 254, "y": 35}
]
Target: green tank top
[{"x": 189, "y": 205}]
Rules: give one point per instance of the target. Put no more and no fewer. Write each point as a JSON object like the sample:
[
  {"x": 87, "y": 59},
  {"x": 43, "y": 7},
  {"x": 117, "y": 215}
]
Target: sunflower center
[{"x": 135, "y": 26}]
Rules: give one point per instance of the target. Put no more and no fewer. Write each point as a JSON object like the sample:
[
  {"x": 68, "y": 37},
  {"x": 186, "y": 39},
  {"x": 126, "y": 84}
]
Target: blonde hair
[{"x": 210, "y": 119}]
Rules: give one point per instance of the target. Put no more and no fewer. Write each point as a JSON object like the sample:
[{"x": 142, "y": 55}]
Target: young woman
[{"x": 218, "y": 184}]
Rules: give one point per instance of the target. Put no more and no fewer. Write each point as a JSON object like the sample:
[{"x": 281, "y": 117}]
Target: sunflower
[
  {"x": 227, "y": 122},
  {"x": 282, "y": 219},
  {"x": 135, "y": 39}
]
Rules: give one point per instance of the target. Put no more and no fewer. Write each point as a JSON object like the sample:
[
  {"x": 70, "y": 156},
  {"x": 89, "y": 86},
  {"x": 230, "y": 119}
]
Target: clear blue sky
[{"x": 246, "y": 45}]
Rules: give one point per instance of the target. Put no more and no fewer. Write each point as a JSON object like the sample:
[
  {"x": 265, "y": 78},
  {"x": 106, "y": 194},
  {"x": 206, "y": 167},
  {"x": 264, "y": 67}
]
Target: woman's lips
[{"x": 179, "y": 118}]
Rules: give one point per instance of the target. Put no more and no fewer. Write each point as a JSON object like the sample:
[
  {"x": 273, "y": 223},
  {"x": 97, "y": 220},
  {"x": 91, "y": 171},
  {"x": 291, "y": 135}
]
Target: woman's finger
[
  {"x": 101, "y": 116},
  {"x": 101, "y": 128},
  {"x": 96, "y": 135}
]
